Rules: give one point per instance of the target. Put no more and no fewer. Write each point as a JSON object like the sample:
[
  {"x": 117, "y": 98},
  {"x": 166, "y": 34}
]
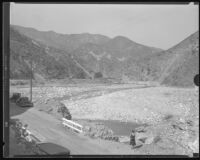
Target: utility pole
[{"x": 31, "y": 82}]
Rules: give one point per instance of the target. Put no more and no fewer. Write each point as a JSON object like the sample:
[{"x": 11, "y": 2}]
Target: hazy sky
[{"x": 160, "y": 26}]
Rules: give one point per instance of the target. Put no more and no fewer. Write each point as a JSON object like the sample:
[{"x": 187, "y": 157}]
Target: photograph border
[{"x": 6, "y": 77}]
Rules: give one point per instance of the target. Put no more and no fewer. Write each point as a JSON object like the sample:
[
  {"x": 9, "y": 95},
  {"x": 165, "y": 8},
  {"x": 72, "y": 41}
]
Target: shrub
[
  {"x": 98, "y": 75},
  {"x": 64, "y": 111},
  {"x": 81, "y": 75}
]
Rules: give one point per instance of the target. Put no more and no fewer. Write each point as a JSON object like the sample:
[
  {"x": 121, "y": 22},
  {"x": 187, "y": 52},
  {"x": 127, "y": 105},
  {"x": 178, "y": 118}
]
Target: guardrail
[{"x": 73, "y": 125}]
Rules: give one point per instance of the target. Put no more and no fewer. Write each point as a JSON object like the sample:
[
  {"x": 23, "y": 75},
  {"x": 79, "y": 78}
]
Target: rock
[
  {"x": 179, "y": 126},
  {"x": 146, "y": 138},
  {"x": 182, "y": 120},
  {"x": 149, "y": 140},
  {"x": 141, "y": 136},
  {"x": 190, "y": 122},
  {"x": 140, "y": 129},
  {"x": 194, "y": 146},
  {"x": 124, "y": 139},
  {"x": 143, "y": 139},
  {"x": 157, "y": 139},
  {"x": 116, "y": 139}
]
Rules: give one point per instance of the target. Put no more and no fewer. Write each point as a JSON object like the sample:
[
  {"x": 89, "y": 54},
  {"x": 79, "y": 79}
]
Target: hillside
[
  {"x": 84, "y": 55},
  {"x": 95, "y": 53},
  {"x": 67, "y": 42},
  {"x": 178, "y": 65},
  {"x": 48, "y": 62}
]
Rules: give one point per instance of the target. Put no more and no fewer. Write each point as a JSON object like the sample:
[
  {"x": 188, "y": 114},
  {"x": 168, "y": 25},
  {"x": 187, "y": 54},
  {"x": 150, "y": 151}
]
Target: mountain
[
  {"x": 122, "y": 46},
  {"x": 85, "y": 55},
  {"x": 178, "y": 65},
  {"x": 48, "y": 62},
  {"x": 67, "y": 42},
  {"x": 95, "y": 53}
]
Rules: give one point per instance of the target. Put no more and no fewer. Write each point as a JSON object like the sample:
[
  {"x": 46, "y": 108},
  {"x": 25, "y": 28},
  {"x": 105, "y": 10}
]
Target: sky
[{"x": 161, "y": 26}]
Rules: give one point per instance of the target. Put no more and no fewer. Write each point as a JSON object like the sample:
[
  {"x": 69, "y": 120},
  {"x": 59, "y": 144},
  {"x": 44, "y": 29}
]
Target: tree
[
  {"x": 81, "y": 75},
  {"x": 64, "y": 111},
  {"x": 98, "y": 75}
]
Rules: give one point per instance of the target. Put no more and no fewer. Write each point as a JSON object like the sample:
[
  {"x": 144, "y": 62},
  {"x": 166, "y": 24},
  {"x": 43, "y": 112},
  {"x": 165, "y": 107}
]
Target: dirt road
[{"x": 48, "y": 129}]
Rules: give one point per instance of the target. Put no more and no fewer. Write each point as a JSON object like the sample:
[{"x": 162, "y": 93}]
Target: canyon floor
[{"x": 170, "y": 115}]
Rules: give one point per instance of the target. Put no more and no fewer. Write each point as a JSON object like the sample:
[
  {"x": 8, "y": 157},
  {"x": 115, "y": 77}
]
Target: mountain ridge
[
  {"x": 119, "y": 57},
  {"x": 19, "y": 28}
]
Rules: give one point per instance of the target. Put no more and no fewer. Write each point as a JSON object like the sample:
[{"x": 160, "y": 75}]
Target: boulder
[
  {"x": 146, "y": 138},
  {"x": 140, "y": 129},
  {"x": 116, "y": 139},
  {"x": 124, "y": 139},
  {"x": 149, "y": 140},
  {"x": 194, "y": 146}
]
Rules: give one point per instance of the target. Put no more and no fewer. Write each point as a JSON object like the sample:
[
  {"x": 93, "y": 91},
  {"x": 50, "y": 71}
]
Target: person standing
[{"x": 132, "y": 139}]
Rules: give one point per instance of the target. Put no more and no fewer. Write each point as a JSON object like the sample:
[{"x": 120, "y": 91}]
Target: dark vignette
[
  {"x": 6, "y": 69},
  {"x": 6, "y": 51}
]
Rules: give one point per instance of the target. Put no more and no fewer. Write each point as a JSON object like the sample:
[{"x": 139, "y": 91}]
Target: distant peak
[
  {"x": 50, "y": 31},
  {"x": 121, "y": 37},
  {"x": 122, "y": 40}
]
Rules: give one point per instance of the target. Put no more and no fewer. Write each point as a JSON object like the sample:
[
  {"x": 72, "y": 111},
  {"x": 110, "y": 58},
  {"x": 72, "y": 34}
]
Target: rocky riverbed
[{"x": 171, "y": 114}]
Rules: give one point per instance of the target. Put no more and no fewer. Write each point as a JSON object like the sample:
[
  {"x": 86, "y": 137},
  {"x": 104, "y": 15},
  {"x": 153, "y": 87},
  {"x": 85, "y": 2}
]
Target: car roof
[{"x": 53, "y": 149}]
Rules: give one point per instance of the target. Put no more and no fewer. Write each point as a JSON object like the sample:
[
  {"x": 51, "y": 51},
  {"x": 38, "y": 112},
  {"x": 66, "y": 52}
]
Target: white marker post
[{"x": 72, "y": 125}]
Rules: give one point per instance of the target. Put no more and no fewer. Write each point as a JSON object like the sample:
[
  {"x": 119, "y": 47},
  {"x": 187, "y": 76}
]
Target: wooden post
[{"x": 31, "y": 83}]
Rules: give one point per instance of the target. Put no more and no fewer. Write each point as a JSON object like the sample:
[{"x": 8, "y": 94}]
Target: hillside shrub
[
  {"x": 64, "y": 111},
  {"x": 98, "y": 75},
  {"x": 81, "y": 75}
]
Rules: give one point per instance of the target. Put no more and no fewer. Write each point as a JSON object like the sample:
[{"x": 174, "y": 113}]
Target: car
[
  {"x": 24, "y": 102},
  {"x": 53, "y": 149}
]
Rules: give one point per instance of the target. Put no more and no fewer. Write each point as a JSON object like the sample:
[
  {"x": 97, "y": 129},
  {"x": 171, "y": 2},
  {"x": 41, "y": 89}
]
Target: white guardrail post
[{"x": 72, "y": 125}]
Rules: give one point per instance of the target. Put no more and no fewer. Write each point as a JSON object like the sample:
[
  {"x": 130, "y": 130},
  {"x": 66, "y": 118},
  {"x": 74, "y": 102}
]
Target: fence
[{"x": 72, "y": 125}]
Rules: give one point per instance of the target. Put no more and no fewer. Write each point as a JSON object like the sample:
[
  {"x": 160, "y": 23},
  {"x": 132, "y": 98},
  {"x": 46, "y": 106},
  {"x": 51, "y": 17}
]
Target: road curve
[{"x": 50, "y": 129}]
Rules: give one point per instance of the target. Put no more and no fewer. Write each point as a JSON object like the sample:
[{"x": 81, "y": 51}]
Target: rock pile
[
  {"x": 99, "y": 130},
  {"x": 174, "y": 134}
]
